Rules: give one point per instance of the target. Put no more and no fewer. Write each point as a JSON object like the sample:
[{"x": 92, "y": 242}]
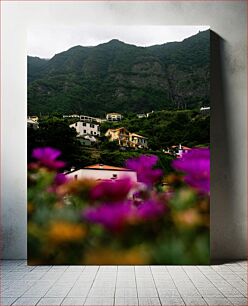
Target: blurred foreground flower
[
  {"x": 112, "y": 191},
  {"x": 107, "y": 256},
  {"x": 112, "y": 217},
  {"x": 62, "y": 232},
  {"x": 196, "y": 165},
  {"x": 150, "y": 209},
  {"x": 188, "y": 218},
  {"x": 143, "y": 165},
  {"x": 70, "y": 221},
  {"x": 47, "y": 157}
]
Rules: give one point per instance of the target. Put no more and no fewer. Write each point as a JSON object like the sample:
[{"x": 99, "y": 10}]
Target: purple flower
[
  {"x": 143, "y": 165},
  {"x": 47, "y": 157},
  {"x": 112, "y": 191},
  {"x": 60, "y": 179},
  {"x": 112, "y": 217},
  {"x": 196, "y": 165},
  {"x": 150, "y": 209}
]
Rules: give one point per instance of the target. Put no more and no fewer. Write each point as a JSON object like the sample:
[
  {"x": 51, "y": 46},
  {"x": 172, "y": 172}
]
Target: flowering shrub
[{"x": 157, "y": 220}]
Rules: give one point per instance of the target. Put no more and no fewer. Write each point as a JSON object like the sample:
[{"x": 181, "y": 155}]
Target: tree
[{"x": 54, "y": 132}]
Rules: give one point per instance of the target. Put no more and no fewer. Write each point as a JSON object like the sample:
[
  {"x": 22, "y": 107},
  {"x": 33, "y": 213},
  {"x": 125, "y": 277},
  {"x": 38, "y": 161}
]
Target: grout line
[
  {"x": 231, "y": 283},
  {"x": 175, "y": 285},
  {"x": 92, "y": 284},
  {"x": 72, "y": 285},
  {"x": 155, "y": 286},
  {"x": 192, "y": 282},
  {"x": 116, "y": 283},
  {"x": 210, "y": 280},
  {"x": 136, "y": 284}
]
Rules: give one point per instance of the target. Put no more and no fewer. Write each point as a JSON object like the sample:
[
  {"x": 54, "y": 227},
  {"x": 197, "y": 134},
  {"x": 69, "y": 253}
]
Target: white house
[
  {"x": 179, "y": 150},
  {"x": 91, "y": 119},
  {"x": 32, "y": 124},
  {"x": 33, "y": 118},
  {"x": 205, "y": 110},
  {"x": 114, "y": 117},
  {"x": 71, "y": 116},
  {"x": 103, "y": 172},
  {"x": 86, "y": 128},
  {"x": 141, "y": 116}
]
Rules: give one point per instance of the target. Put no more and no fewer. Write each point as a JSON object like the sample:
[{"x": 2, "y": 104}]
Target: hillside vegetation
[{"x": 116, "y": 76}]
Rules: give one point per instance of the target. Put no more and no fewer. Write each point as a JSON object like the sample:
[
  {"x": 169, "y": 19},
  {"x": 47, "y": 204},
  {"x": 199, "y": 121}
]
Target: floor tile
[
  {"x": 26, "y": 301},
  {"x": 239, "y": 301},
  {"x": 7, "y": 301},
  {"x": 166, "y": 301},
  {"x": 50, "y": 301},
  {"x": 217, "y": 301},
  {"x": 126, "y": 292},
  {"x": 73, "y": 301},
  {"x": 125, "y": 285},
  {"x": 149, "y": 302},
  {"x": 194, "y": 301},
  {"x": 147, "y": 292},
  {"x": 164, "y": 292},
  {"x": 99, "y": 301},
  {"x": 121, "y": 301}
]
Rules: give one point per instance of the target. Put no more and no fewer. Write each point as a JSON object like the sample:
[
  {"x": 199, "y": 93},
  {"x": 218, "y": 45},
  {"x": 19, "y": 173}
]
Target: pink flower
[
  {"x": 143, "y": 165},
  {"x": 112, "y": 191},
  {"x": 47, "y": 157},
  {"x": 150, "y": 209},
  {"x": 196, "y": 165},
  {"x": 112, "y": 217}
]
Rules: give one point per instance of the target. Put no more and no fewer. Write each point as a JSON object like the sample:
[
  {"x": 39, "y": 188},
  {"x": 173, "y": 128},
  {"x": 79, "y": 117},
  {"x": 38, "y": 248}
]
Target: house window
[
  {"x": 94, "y": 133},
  {"x": 85, "y": 131},
  {"x": 84, "y": 124},
  {"x": 76, "y": 124},
  {"x": 91, "y": 132}
]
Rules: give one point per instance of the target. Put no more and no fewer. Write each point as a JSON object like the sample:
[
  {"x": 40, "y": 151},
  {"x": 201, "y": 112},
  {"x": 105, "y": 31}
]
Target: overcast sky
[{"x": 45, "y": 42}]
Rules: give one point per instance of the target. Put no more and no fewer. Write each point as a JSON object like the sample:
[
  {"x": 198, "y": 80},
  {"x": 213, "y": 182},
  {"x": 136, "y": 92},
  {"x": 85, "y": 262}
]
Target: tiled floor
[{"x": 123, "y": 285}]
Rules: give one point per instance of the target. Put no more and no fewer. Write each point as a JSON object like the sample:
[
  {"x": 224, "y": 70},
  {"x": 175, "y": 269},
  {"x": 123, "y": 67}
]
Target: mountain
[{"x": 116, "y": 76}]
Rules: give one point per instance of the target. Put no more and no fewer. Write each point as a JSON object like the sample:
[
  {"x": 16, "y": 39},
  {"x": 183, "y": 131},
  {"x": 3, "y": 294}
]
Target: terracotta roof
[{"x": 106, "y": 167}]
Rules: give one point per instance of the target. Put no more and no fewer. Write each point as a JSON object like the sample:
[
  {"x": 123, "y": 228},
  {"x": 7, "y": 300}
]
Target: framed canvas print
[{"x": 118, "y": 145}]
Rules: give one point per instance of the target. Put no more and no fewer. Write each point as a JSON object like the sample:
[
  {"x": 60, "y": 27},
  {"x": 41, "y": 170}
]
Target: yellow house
[
  {"x": 137, "y": 141},
  {"x": 119, "y": 134},
  {"x": 126, "y": 139}
]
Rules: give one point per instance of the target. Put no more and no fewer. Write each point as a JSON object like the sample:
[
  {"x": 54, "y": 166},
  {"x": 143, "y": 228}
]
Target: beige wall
[{"x": 102, "y": 174}]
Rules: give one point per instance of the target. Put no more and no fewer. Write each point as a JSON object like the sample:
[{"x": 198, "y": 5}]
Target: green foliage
[
  {"x": 61, "y": 231},
  {"x": 56, "y": 133},
  {"x": 167, "y": 128},
  {"x": 119, "y": 77}
]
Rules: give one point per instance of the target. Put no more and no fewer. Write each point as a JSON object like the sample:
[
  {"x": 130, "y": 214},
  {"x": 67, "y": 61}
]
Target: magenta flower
[
  {"x": 150, "y": 209},
  {"x": 196, "y": 165},
  {"x": 143, "y": 165},
  {"x": 60, "y": 179},
  {"x": 112, "y": 217},
  {"x": 112, "y": 191},
  {"x": 47, "y": 157}
]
